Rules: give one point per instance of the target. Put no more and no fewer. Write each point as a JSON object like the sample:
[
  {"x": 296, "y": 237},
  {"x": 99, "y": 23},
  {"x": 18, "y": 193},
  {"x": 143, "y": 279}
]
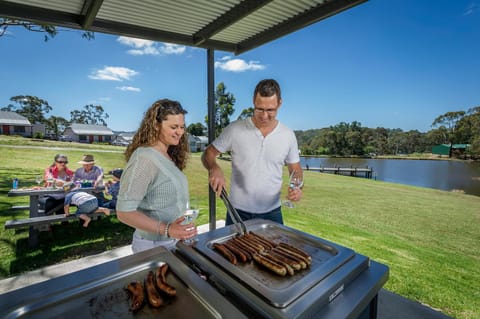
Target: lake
[{"x": 438, "y": 174}]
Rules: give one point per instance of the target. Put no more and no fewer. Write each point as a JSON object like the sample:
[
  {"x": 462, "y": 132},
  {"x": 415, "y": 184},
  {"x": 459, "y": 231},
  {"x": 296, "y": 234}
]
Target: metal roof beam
[
  {"x": 233, "y": 15},
  {"x": 39, "y": 15},
  {"x": 89, "y": 11},
  {"x": 129, "y": 30},
  {"x": 320, "y": 12}
]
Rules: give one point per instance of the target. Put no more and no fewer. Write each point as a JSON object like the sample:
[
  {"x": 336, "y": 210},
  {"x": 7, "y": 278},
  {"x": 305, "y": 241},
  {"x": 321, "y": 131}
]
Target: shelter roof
[{"x": 226, "y": 25}]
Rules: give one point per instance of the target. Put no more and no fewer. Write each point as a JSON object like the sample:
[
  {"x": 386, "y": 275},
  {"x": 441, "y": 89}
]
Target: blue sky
[{"x": 385, "y": 63}]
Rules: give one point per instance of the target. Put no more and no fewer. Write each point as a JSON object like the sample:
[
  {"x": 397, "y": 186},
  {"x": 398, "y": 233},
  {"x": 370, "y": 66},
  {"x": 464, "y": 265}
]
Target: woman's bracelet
[{"x": 167, "y": 227}]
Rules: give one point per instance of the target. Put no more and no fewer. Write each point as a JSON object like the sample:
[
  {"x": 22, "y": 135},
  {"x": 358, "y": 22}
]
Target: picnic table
[{"x": 39, "y": 217}]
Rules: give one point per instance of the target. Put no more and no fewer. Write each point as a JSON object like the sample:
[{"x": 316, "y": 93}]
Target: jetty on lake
[{"x": 366, "y": 172}]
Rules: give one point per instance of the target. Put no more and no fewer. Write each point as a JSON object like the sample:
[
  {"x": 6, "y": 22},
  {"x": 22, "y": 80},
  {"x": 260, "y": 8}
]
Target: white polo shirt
[{"x": 257, "y": 163}]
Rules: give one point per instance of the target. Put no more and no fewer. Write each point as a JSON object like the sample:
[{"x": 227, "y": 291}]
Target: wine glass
[
  {"x": 295, "y": 181},
  {"x": 50, "y": 182},
  {"x": 39, "y": 180},
  {"x": 191, "y": 213}
]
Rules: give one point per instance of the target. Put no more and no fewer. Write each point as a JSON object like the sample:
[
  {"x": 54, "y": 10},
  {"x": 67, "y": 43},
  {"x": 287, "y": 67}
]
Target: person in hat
[
  {"x": 86, "y": 204},
  {"x": 56, "y": 175},
  {"x": 154, "y": 190},
  {"x": 112, "y": 187},
  {"x": 92, "y": 173}
]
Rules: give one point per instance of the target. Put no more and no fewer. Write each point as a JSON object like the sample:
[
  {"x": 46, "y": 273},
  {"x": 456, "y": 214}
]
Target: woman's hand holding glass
[{"x": 190, "y": 215}]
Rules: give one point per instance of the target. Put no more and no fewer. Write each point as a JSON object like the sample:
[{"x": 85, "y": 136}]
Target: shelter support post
[{"x": 211, "y": 129}]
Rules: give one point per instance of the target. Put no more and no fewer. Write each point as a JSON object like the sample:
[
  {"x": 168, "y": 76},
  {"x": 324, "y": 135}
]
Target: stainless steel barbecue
[
  {"x": 261, "y": 293},
  {"x": 99, "y": 292}
]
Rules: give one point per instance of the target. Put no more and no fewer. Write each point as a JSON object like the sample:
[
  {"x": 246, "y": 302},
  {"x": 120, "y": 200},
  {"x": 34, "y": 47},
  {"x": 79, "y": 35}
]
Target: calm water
[{"x": 445, "y": 175}]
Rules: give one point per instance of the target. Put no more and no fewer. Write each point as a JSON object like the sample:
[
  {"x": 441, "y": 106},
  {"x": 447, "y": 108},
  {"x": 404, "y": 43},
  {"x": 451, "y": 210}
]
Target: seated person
[
  {"x": 112, "y": 188},
  {"x": 86, "y": 204},
  {"x": 56, "y": 175},
  {"x": 90, "y": 172}
]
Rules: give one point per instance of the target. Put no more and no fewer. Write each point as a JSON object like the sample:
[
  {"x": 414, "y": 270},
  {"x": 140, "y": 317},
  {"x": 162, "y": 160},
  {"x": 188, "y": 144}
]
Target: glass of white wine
[
  {"x": 191, "y": 214},
  {"x": 38, "y": 179},
  {"x": 294, "y": 182}
]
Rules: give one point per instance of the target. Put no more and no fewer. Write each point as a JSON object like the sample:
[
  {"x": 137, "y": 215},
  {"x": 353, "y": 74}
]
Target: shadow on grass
[{"x": 65, "y": 242}]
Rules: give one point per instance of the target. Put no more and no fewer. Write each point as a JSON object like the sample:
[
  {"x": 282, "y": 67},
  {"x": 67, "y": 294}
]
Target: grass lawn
[{"x": 430, "y": 239}]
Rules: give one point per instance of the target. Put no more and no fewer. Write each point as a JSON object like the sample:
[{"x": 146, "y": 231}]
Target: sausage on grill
[
  {"x": 270, "y": 265},
  {"x": 264, "y": 240},
  {"x": 297, "y": 251},
  {"x": 289, "y": 268},
  {"x": 303, "y": 261},
  {"x": 237, "y": 252},
  {"x": 137, "y": 296},
  {"x": 225, "y": 252},
  {"x": 293, "y": 263},
  {"x": 154, "y": 298},
  {"x": 161, "y": 281}
]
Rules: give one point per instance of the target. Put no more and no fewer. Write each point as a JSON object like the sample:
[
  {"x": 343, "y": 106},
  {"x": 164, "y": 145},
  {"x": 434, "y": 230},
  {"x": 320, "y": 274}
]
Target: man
[
  {"x": 260, "y": 145},
  {"x": 92, "y": 173}
]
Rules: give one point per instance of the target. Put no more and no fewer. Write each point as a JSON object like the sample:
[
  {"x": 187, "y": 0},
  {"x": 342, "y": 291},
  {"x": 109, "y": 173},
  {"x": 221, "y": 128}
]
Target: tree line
[
  {"x": 343, "y": 139},
  {"x": 351, "y": 139}
]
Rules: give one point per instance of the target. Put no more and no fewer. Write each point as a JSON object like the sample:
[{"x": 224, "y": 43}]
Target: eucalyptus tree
[
  {"x": 224, "y": 103},
  {"x": 32, "y": 107},
  {"x": 91, "y": 114}
]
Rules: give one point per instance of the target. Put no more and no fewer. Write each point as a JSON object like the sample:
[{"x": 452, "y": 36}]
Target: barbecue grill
[
  {"x": 338, "y": 284},
  {"x": 337, "y": 275},
  {"x": 99, "y": 292}
]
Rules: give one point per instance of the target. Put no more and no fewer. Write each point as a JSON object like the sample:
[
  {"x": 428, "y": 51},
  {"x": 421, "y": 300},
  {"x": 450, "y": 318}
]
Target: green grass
[{"x": 430, "y": 239}]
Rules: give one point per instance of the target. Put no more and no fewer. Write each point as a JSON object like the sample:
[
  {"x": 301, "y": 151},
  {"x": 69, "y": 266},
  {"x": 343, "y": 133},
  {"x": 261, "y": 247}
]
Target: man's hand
[
  {"x": 216, "y": 180},
  {"x": 294, "y": 194}
]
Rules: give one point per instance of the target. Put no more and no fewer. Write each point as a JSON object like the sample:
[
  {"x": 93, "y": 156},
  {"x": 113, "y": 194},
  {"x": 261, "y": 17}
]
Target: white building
[
  {"x": 12, "y": 123},
  {"x": 88, "y": 133}
]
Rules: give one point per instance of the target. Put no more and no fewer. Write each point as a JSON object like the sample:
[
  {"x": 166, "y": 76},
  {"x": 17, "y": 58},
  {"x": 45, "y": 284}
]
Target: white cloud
[
  {"x": 238, "y": 65},
  {"x": 147, "y": 47},
  {"x": 113, "y": 73},
  {"x": 472, "y": 8},
  {"x": 169, "y": 48},
  {"x": 128, "y": 88}
]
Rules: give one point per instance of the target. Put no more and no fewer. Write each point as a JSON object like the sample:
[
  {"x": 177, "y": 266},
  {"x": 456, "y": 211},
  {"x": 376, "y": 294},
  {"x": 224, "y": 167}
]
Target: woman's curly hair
[{"x": 150, "y": 128}]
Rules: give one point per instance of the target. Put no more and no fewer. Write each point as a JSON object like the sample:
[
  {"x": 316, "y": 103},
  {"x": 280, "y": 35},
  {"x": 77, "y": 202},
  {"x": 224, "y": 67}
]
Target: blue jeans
[
  {"x": 90, "y": 206},
  {"x": 273, "y": 215}
]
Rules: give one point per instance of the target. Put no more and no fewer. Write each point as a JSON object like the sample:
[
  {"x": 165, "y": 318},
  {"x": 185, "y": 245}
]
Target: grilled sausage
[
  {"x": 257, "y": 248},
  {"x": 285, "y": 253},
  {"x": 295, "y": 255},
  {"x": 289, "y": 268},
  {"x": 246, "y": 247},
  {"x": 153, "y": 297},
  {"x": 297, "y": 251},
  {"x": 233, "y": 243},
  {"x": 293, "y": 263},
  {"x": 270, "y": 265},
  {"x": 136, "y": 294},
  {"x": 225, "y": 252},
  {"x": 237, "y": 252},
  {"x": 266, "y": 241},
  {"x": 257, "y": 241},
  {"x": 161, "y": 281}
]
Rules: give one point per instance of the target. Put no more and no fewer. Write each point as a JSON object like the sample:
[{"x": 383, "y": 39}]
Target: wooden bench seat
[{"x": 38, "y": 222}]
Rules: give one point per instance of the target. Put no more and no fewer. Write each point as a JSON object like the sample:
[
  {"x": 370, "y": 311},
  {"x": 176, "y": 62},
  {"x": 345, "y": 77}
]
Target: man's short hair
[{"x": 266, "y": 88}]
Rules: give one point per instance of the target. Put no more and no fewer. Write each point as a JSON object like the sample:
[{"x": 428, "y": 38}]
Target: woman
[
  {"x": 56, "y": 174},
  {"x": 153, "y": 190}
]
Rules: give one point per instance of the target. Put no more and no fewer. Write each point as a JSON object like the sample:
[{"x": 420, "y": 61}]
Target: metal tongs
[{"x": 232, "y": 212}]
